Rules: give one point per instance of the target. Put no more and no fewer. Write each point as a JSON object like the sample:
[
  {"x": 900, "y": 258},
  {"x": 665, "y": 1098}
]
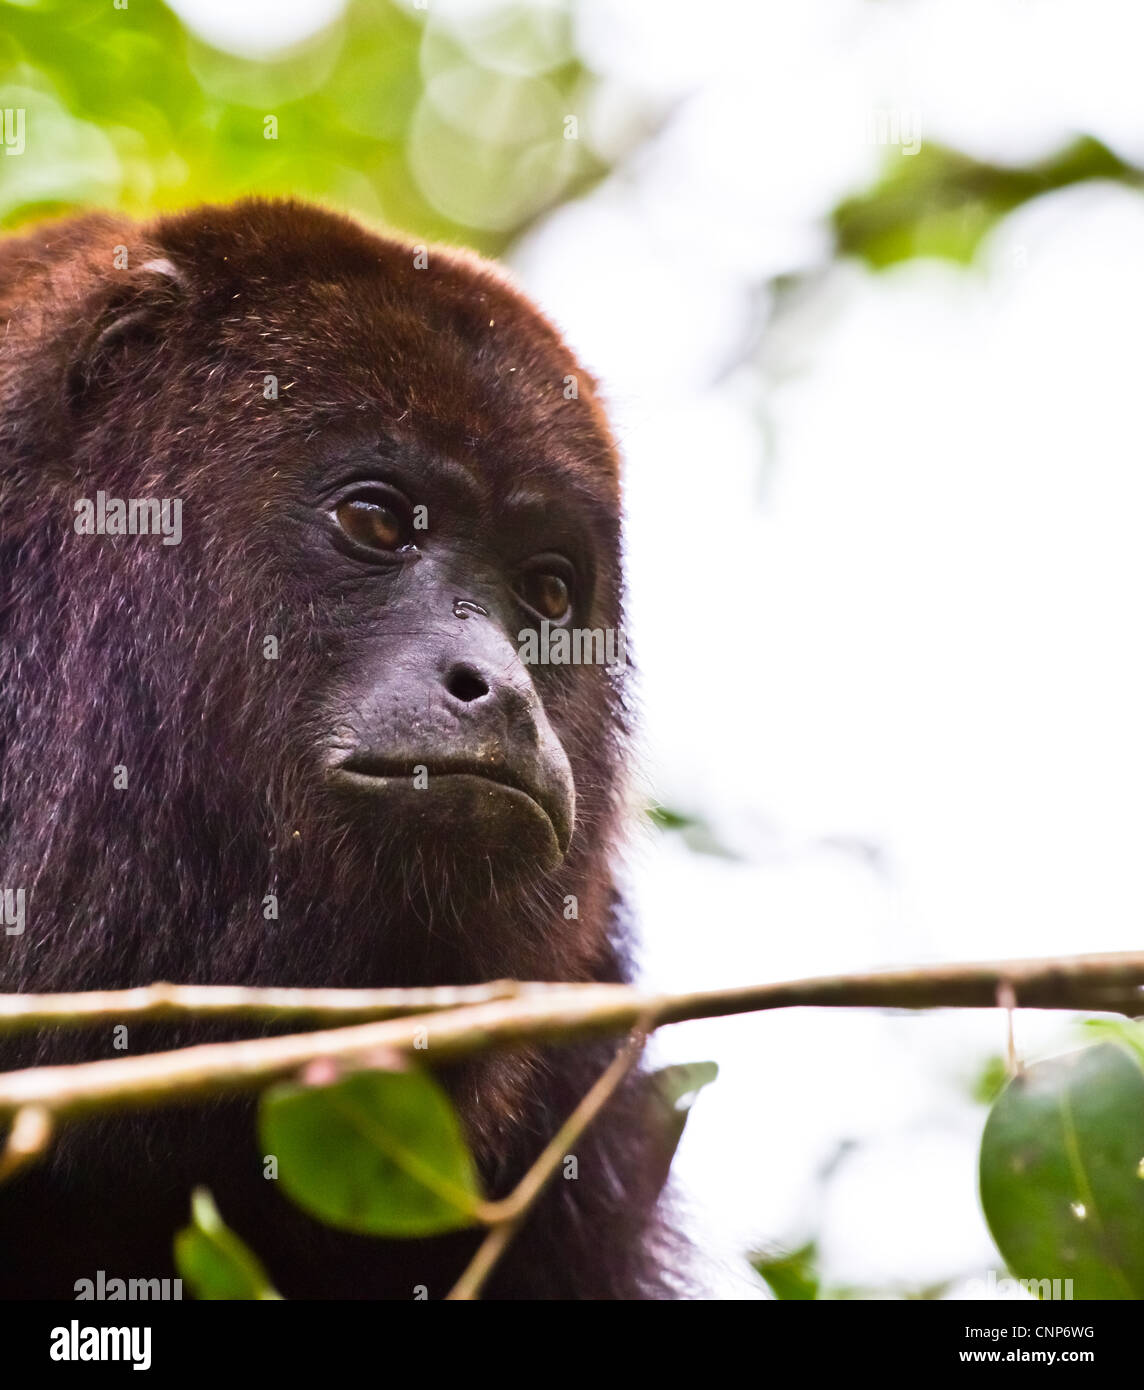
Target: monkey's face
[
  {"x": 442, "y": 505},
  {"x": 394, "y": 472},
  {"x": 437, "y": 726}
]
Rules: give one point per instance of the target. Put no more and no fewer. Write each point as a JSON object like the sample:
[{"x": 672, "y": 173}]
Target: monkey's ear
[{"x": 126, "y": 319}]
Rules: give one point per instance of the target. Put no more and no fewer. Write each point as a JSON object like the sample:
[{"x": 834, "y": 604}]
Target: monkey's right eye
[{"x": 371, "y": 524}]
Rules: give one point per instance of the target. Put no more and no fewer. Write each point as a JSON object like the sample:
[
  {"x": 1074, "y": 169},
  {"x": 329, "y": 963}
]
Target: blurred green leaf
[
  {"x": 680, "y": 1084},
  {"x": 790, "y": 1274},
  {"x": 1128, "y": 1032},
  {"x": 666, "y": 819},
  {"x": 213, "y": 1262},
  {"x": 391, "y": 113},
  {"x": 990, "y": 1080},
  {"x": 378, "y": 1152},
  {"x": 695, "y": 833},
  {"x": 940, "y": 202},
  {"x": 1062, "y": 1172},
  {"x": 673, "y": 1091}
]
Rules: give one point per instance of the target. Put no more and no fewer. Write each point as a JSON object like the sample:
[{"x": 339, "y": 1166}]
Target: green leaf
[
  {"x": 695, "y": 833},
  {"x": 213, "y": 1262},
  {"x": 790, "y": 1274},
  {"x": 1062, "y": 1172},
  {"x": 990, "y": 1081},
  {"x": 1128, "y": 1032},
  {"x": 679, "y": 1085},
  {"x": 940, "y": 202},
  {"x": 378, "y": 1152},
  {"x": 139, "y": 113},
  {"x": 673, "y": 1091}
]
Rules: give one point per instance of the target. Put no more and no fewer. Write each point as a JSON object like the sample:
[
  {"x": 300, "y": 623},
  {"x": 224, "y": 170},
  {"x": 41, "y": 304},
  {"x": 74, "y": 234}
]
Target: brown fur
[{"x": 147, "y": 381}]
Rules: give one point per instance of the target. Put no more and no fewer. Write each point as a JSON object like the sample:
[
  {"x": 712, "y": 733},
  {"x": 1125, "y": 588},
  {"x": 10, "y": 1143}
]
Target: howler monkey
[{"x": 278, "y": 500}]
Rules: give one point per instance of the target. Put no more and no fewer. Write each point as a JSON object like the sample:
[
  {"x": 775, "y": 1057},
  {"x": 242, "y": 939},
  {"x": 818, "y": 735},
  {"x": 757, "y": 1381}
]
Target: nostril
[{"x": 465, "y": 684}]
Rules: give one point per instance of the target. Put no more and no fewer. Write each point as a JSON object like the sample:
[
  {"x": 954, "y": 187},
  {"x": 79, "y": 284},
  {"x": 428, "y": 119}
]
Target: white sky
[{"x": 915, "y": 623}]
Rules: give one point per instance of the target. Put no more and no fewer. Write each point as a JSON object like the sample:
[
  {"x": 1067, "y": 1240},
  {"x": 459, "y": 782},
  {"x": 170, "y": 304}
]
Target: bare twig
[
  {"x": 29, "y": 1137},
  {"x": 1007, "y": 1000},
  {"x": 557, "y": 1014},
  {"x": 509, "y": 1215},
  {"x": 166, "y": 1003}
]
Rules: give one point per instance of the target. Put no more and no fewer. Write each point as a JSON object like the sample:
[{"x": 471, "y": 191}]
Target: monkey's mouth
[{"x": 485, "y": 799}]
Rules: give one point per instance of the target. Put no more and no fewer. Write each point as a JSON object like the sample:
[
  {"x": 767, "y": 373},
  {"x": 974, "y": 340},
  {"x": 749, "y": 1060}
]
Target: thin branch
[
  {"x": 1007, "y": 1000},
  {"x": 209, "y": 1069},
  {"x": 510, "y": 1214},
  {"x": 558, "y": 1014},
  {"x": 29, "y": 1137},
  {"x": 165, "y": 1003}
]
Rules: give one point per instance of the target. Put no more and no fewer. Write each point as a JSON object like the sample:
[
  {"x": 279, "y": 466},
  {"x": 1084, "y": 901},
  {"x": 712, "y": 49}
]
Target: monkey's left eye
[
  {"x": 371, "y": 524},
  {"x": 546, "y": 592}
]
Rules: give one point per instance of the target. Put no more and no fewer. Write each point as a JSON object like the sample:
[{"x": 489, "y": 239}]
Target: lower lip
[
  {"x": 385, "y": 781},
  {"x": 423, "y": 804}
]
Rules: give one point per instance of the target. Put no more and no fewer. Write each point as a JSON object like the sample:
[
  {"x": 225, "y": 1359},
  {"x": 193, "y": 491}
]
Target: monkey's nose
[{"x": 465, "y": 683}]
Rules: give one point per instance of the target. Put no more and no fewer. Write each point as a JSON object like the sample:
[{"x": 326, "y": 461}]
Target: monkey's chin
[{"x": 473, "y": 815}]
